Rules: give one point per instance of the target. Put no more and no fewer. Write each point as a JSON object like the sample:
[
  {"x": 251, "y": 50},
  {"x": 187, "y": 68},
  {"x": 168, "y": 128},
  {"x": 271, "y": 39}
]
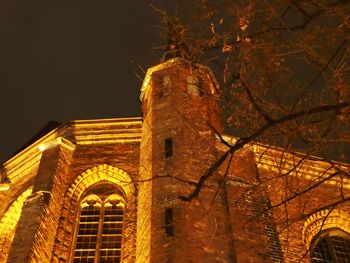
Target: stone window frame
[
  {"x": 323, "y": 222},
  {"x": 102, "y": 202},
  {"x": 62, "y": 251}
]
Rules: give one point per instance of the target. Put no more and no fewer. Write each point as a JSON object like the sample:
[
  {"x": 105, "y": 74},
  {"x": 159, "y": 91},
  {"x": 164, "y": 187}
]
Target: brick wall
[
  {"x": 254, "y": 235},
  {"x": 290, "y": 218},
  {"x": 35, "y": 233},
  {"x": 201, "y": 228},
  {"x": 231, "y": 220},
  {"x": 123, "y": 156}
]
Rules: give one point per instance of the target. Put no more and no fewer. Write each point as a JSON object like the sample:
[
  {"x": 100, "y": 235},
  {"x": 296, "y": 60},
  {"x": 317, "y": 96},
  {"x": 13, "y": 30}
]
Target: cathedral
[{"x": 149, "y": 190}]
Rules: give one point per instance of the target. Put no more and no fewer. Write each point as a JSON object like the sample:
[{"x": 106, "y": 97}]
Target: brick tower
[
  {"x": 120, "y": 190},
  {"x": 180, "y": 116}
]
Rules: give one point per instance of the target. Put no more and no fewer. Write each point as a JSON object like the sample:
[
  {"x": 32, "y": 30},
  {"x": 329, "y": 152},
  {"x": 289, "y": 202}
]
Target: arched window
[
  {"x": 331, "y": 246},
  {"x": 99, "y": 235}
]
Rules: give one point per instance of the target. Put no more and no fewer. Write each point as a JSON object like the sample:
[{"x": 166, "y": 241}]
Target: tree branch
[{"x": 243, "y": 141}]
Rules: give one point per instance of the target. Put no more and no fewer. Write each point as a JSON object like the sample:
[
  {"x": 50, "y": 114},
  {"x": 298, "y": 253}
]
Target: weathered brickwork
[
  {"x": 66, "y": 230},
  {"x": 51, "y": 211},
  {"x": 291, "y": 217},
  {"x": 254, "y": 234},
  {"x": 39, "y": 218},
  {"x": 154, "y": 164},
  {"x": 145, "y": 194},
  {"x": 172, "y": 112},
  {"x": 9, "y": 222}
]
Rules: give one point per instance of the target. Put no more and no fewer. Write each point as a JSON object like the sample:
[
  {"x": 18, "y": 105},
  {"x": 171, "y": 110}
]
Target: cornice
[
  {"x": 282, "y": 161},
  {"x": 104, "y": 131},
  {"x": 173, "y": 62},
  {"x": 79, "y": 132}
]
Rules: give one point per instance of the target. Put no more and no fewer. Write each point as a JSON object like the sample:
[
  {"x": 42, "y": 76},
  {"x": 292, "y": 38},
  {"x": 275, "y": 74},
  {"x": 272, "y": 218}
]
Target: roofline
[
  {"x": 69, "y": 135},
  {"x": 311, "y": 167},
  {"x": 171, "y": 62}
]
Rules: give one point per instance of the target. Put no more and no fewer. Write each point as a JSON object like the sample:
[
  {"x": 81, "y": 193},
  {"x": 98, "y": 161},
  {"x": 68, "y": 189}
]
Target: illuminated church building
[{"x": 109, "y": 190}]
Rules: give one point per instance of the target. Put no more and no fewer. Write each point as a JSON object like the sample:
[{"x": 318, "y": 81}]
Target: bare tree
[{"x": 283, "y": 66}]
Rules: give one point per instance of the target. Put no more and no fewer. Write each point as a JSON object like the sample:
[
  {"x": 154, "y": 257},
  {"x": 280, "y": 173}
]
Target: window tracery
[
  {"x": 332, "y": 246},
  {"x": 99, "y": 235}
]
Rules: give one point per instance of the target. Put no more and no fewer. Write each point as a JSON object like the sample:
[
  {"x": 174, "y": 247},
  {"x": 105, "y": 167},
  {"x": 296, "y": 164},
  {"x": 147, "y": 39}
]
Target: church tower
[
  {"x": 129, "y": 190},
  {"x": 180, "y": 117}
]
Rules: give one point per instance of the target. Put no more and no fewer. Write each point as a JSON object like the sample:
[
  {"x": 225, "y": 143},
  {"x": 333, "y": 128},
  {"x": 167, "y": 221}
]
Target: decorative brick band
[
  {"x": 67, "y": 226},
  {"x": 98, "y": 174},
  {"x": 323, "y": 220}
]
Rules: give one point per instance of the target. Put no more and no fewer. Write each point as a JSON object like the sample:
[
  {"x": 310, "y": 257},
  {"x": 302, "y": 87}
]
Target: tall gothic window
[
  {"x": 99, "y": 235},
  {"x": 331, "y": 247}
]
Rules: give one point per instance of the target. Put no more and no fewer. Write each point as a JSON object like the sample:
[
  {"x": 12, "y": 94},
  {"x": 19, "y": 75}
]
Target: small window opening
[
  {"x": 169, "y": 227},
  {"x": 165, "y": 87},
  {"x": 168, "y": 147},
  {"x": 192, "y": 85},
  {"x": 166, "y": 81},
  {"x": 160, "y": 94},
  {"x": 201, "y": 86}
]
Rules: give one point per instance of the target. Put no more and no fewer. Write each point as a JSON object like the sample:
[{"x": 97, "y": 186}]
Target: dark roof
[{"x": 51, "y": 125}]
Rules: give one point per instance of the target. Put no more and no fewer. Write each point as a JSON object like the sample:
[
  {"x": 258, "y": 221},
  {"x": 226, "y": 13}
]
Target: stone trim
[
  {"x": 98, "y": 174},
  {"x": 323, "y": 220},
  {"x": 100, "y": 131},
  {"x": 65, "y": 236}
]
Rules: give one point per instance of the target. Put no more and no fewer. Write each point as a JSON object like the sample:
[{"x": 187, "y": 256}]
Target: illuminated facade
[{"x": 110, "y": 190}]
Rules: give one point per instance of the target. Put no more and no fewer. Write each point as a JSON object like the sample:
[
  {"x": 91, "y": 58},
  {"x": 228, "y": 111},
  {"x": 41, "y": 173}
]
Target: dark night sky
[{"x": 66, "y": 60}]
